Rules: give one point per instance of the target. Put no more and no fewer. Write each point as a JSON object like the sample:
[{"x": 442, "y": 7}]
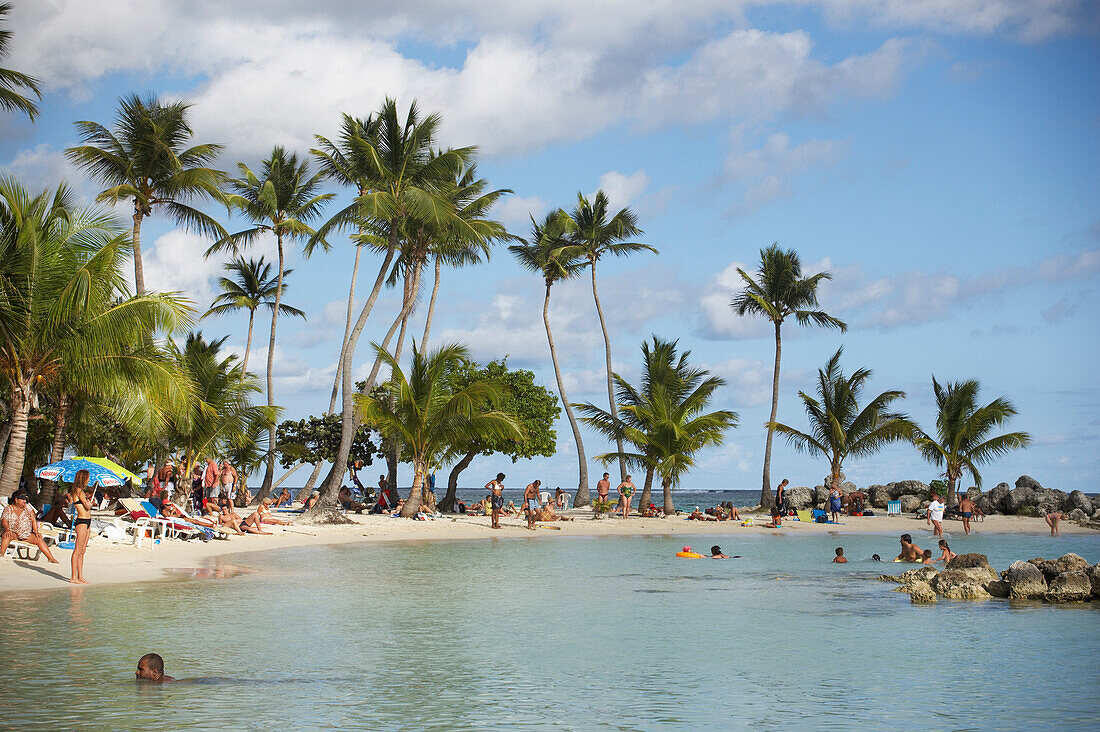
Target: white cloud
[
  {"x": 516, "y": 212},
  {"x": 766, "y": 174},
  {"x": 622, "y": 189}
]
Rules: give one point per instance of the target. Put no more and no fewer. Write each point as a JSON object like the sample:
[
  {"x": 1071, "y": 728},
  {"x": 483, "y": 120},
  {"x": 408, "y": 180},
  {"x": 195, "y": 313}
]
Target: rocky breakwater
[{"x": 1069, "y": 578}]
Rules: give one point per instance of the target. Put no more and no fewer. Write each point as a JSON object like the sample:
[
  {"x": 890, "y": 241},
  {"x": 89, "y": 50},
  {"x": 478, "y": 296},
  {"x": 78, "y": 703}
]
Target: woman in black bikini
[{"x": 82, "y": 525}]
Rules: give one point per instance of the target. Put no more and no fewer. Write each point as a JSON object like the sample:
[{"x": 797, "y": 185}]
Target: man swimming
[
  {"x": 910, "y": 552},
  {"x": 150, "y": 667}
]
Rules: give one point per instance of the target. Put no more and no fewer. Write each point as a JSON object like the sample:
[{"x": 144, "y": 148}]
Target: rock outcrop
[
  {"x": 1025, "y": 581},
  {"x": 800, "y": 498},
  {"x": 993, "y": 501},
  {"x": 910, "y": 503},
  {"x": 1051, "y": 568},
  {"x": 878, "y": 496},
  {"x": 906, "y": 487},
  {"x": 1026, "y": 481},
  {"x": 970, "y": 577},
  {"x": 1078, "y": 501},
  {"x": 1070, "y": 587}
]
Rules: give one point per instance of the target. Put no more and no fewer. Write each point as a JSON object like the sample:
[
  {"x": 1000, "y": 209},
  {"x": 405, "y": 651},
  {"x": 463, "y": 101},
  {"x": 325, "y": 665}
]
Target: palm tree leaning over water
[
  {"x": 664, "y": 420},
  {"x": 778, "y": 292},
  {"x": 594, "y": 235},
  {"x": 281, "y": 200},
  {"x": 251, "y": 287},
  {"x": 548, "y": 253},
  {"x": 144, "y": 159},
  {"x": 428, "y": 417},
  {"x": 11, "y": 80},
  {"x": 839, "y": 426},
  {"x": 962, "y": 441}
]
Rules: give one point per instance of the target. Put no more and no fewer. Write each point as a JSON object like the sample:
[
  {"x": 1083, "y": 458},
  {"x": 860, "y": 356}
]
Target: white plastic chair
[{"x": 545, "y": 497}]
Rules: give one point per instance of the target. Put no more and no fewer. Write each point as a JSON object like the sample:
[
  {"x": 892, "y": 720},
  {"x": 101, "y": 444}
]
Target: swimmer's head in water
[
  {"x": 927, "y": 554},
  {"x": 716, "y": 549},
  {"x": 840, "y": 551},
  {"x": 943, "y": 544},
  {"x": 906, "y": 539},
  {"x": 150, "y": 667},
  {"x": 876, "y": 557}
]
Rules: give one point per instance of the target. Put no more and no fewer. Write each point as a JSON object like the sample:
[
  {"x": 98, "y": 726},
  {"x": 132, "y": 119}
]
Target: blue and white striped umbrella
[{"x": 65, "y": 470}]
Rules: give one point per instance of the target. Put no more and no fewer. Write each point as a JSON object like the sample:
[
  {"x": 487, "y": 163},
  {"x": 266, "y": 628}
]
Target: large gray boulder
[
  {"x": 974, "y": 493},
  {"x": 910, "y": 503},
  {"x": 964, "y": 584},
  {"x": 800, "y": 497},
  {"x": 1070, "y": 587},
  {"x": 1048, "y": 499},
  {"x": 993, "y": 501},
  {"x": 903, "y": 487},
  {"x": 1078, "y": 500},
  {"x": 1094, "y": 577},
  {"x": 920, "y": 593},
  {"x": 847, "y": 486},
  {"x": 972, "y": 560},
  {"x": 1077, "y": 516},
  {"x": 878, "y": 496},
  {"x": 1026, "y": 481},
  {"x": 1051, "y": 568},
  {"x": 1025, "y": 581},
  {"x": 1017, "y": 498}
]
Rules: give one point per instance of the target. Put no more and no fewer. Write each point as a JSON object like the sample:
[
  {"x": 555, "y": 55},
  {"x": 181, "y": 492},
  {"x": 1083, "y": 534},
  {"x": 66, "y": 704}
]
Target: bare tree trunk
[
  {"x": 313, "y": 476},
  {"x": 610, "y": 386},
  {"x": 17, "y": 443},
  {"x": 767, "y": 500},
  {"x": 139, "y": 270},
  {"x": 666, "y": 486},
  {"x": 331, "y": 486},
  {"x": 447, "y": 505},
  {"x": 57, "y": 447},
  {"x": 647, "y": 490},
  {"x": 412, "y": 287},
  {"x": 581, "y": 498},
  {"x": 347, "y": 331},
  {"x": 248, "y": 343},
  {"x": 269, "y": 473},
  {"x": 431, "y": 305}
]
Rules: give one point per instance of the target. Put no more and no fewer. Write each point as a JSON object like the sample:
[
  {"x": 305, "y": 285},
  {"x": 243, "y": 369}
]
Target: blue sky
[{"x": 939, "y": 158}]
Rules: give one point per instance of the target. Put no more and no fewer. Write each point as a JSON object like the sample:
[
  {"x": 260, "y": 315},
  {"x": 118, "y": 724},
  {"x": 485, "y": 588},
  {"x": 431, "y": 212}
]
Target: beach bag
[{"x": 823, "y": 518}]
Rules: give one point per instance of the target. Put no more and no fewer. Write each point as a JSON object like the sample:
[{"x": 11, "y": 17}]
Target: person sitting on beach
[
  {"x": 777, "y": 520},
  {"x": 546, "y": 513},
  {"x": 171, "y": 510},
  {"x": 349, "y": 504},
  {"x": 926, "y": 557},
  {"x": 698, "y": 515},
  {"x": 254, "y": 524},
  {"x": 651, "y": 511},
  {"x": 840, "y": 558},
  {"x": 311, "y": 501},
  {"x": 397, "y": 509},
  {"x": 947, "y": 554},
  {"x": 460, "y": 507},
  {"x": 57, "y": 515},
  {"x": 910, "y": 552},
  {"x": 560, "y": 498},
  {"x": 19, "y": 523},
  {"x": 716, "y": 553},
  {"x": 265, "y": 514},
  {"x": 150, "y": 667},
  {"x": 282, "y": 498},
  {"x": 227, "y": 516}
]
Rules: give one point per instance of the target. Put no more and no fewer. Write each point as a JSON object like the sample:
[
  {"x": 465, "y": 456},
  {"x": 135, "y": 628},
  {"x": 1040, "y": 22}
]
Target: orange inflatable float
[{"x": 687, "y": 553}]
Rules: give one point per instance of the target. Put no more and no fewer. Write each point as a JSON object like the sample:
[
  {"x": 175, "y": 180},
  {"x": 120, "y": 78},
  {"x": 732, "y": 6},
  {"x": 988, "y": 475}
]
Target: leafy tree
[
  {"x": 11, "y": 81},
  {"x": 548, "y": 254},
  {"x": 144, "y": 159},
  {"x": 839, "y": 426},
  {"x": 664, "y": 420},
  {"x": 281, "y": 200},
  {"x": 534, "y": 408},
  {"x": 66, "y": 321},
  {"x": 962, "y": 441},
  {"x": 779, "y": 291},
  {"x": 430, "y": 417},
  {"x": 252, "y": 287},
  {"x": 594, "y": 234},
  {"x": 317, "y": 439}
]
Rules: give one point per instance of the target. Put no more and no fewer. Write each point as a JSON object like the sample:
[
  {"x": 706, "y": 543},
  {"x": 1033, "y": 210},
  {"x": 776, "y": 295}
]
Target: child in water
[{"x": 840, "y": 558}]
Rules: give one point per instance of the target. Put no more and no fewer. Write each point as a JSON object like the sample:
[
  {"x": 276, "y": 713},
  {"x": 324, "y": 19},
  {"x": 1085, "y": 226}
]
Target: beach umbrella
[
  {"x": 65, "y": 470},
  {"x": 113, "y": 467}
]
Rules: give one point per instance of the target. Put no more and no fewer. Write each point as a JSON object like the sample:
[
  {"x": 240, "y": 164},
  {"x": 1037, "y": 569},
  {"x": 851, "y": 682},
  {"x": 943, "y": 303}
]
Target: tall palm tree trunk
[
  {"x": 269, "y": 474},
  {"x": 347, "y": 332},
  {"x": 5, "y": 433},
  {"x": 57, "y": 446},
  {"x": 139, "y": 269},
  {"x": 412, "y": 287},
  {"x": 581, "y": 498},
  {"x": 767, "y": 500},
  {"x": 647, "y": 490},
  {"x": 669, "y": 507},
  {"x": 412, "y": 503},
  {"x": 447, "y": 505},
  {"x": 610, "y": 387},
  {"x": 17, "y": 443},
  {"x": 331, "y": 485},
  {"x": 248, "y": 343},
  {"x": 431, "y": 305}
]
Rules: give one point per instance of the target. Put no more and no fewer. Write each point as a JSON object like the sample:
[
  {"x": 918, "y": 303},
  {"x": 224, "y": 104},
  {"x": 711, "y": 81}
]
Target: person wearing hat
[{"x": 687, "y": 553}]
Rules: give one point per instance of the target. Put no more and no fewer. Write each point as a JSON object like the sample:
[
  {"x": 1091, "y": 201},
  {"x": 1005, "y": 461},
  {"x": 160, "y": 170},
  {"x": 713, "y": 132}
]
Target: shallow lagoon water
[{"x": 556, "y": 633}]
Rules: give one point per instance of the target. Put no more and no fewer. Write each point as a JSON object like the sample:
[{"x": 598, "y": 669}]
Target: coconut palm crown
[{"x": 11, "y": 81}]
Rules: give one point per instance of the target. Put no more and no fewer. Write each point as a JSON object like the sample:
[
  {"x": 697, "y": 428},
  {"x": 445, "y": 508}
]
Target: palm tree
[
  {"x": 281, "y": 200},
  {"x": 778, "y": 292},
  {"x": 548, "y": 253},
  {"x": 664, "y": 420},
  {"x": 962, "y": 441},
  {"x": 594, "y": 235},
  {"x": 144, "y": 159},
  {"x": 252, "y": 287},
  {"x": 403, "y": 182},
  {"x": 10, "y": 80},
  {"x": 839, "y": 427},
  {"x": 428, "y": 417},
  {"x": 66, "y": 319}
]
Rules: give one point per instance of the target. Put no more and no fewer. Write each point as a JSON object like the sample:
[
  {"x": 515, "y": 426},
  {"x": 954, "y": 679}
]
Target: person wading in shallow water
[{"x": 496, "y": 498}]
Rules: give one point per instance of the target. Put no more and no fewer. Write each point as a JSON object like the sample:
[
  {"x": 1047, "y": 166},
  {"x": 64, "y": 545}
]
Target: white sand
[{"x": 108, "y": 564}]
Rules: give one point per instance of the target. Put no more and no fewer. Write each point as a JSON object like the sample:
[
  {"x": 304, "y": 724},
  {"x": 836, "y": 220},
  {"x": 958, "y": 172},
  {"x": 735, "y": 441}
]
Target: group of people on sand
[
  {"x": 724, "y": 511},
  {"x": 626, "y": 490},
  {"x": 533, "y": 508},
  {"x": 209, "y": 479}
]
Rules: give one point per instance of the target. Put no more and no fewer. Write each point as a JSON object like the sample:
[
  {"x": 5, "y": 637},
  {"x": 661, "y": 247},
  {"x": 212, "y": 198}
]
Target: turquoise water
[{"x": 555, "y": 634}]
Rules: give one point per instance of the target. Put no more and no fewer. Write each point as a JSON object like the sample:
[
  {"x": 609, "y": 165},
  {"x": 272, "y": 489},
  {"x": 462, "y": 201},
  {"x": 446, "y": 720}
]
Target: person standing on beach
[
  {"x": 82, "y": 525},
  {"x": 531, "y": 503},
  {"x": 496, "y": 498},
  {"x": 603, "y": 487},
  {"x": 966, "y": 510},
  {"x": 935, "y": 514},
  {"x": 166, "y": 478},
  {"x": 626, "y": 493},
  {"x": 781, "y": 496},
  {"x": 836, "y": 502}
]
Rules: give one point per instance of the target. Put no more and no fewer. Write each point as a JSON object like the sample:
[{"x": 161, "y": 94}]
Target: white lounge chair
[{"x": 893, "y": 508}]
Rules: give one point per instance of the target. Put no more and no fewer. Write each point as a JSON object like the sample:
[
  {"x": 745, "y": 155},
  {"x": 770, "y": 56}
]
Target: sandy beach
[{"x": 111, "y": 564}]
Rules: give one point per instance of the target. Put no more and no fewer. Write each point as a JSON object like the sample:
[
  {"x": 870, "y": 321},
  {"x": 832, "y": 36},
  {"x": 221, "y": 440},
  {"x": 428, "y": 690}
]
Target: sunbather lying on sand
[
  {"x": 698, "y": 515},
  {"x": 253, "y": 524},
  {"x": 546, "y": 513},
  {"x": 265, "y": 514}
]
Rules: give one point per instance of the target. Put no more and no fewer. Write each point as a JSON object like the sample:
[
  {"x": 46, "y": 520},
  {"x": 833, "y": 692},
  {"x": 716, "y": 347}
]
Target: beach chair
[
  {"x": 893, "y": 508},
  {"x": 805, "y": 516},
  {"x": 22, "y": 550},
  {"x": 545, "y": 497}
]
